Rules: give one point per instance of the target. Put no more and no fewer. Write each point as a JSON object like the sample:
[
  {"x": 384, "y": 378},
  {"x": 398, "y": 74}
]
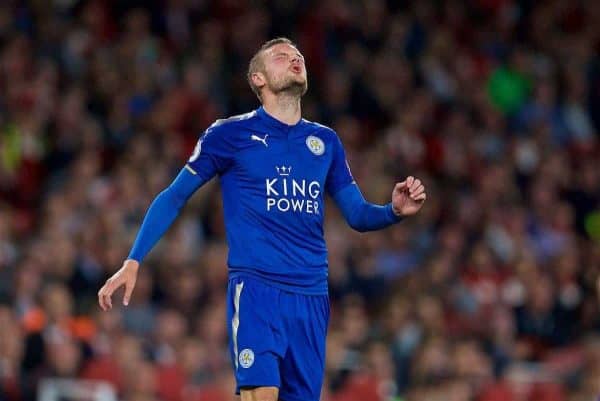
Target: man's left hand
[{"x": 408, "y": 196}]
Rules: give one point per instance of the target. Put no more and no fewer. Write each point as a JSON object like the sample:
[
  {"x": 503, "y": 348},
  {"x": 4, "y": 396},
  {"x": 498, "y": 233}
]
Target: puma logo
[{"x": 258, "y": 138}]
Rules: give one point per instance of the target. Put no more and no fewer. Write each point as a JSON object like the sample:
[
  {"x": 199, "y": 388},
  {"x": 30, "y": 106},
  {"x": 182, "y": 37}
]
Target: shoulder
[
  {"x": 225, "y": 131},
  {"x": 323, "y": 131},
  {"x": 318, "y": 127},
  {"x": 233, "y": 122}
]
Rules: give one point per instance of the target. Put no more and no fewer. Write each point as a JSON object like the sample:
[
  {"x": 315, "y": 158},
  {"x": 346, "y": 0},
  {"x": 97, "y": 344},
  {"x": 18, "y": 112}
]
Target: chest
[{"x": 286, "y": 163}]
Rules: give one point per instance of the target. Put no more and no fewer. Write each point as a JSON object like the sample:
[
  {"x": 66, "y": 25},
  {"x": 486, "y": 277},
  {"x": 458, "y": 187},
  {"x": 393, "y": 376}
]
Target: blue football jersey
[{"x": 274, "y": 177}]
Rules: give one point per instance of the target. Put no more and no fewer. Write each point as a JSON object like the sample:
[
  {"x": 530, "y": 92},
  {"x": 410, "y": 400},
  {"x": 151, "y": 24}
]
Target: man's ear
[{"x": 258, "y": 79}]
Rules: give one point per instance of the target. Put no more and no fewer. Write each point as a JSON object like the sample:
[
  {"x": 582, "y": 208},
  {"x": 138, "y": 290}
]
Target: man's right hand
[{"x": 127, "y": 275}]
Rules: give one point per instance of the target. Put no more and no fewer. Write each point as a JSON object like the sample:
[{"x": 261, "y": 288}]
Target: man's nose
[{"x": 295, "y": 60}]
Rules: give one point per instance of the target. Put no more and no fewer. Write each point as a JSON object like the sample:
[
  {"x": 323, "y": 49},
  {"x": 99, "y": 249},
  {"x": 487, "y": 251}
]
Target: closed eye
[{"x": 285, "y": 56}]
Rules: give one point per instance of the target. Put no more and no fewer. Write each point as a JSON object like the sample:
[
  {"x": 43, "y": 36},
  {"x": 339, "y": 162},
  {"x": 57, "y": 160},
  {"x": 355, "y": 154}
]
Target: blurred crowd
[{"x": 486, "y": 295}]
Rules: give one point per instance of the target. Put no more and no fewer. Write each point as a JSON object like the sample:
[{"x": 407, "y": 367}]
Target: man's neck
[{"x": 284, "y": 108}]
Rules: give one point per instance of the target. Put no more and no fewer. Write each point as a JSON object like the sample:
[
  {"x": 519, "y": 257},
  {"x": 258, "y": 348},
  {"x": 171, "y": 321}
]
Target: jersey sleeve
[
  {"x": 339, "y": 175},
  {"x": 212, "y": 155}
]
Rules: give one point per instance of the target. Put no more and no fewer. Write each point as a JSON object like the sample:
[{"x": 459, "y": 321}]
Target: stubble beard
[{"x": 288, "y": 87}]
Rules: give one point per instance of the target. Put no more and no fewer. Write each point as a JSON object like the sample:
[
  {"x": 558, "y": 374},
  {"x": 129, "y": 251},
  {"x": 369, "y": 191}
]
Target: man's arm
[
  {"x": 362, "y": 215},
  {"x": 211, "y": 156},
  {"x": 407, "y": 198},
  {"x": 160, "y": 215}
]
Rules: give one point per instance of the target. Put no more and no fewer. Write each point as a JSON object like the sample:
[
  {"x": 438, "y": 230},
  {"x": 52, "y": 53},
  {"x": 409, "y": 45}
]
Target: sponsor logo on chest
[{"x": 287, "y": 194}]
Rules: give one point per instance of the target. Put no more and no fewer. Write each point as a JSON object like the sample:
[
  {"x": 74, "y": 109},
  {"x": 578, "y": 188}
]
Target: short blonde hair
[{"x": 257, "y": 64}]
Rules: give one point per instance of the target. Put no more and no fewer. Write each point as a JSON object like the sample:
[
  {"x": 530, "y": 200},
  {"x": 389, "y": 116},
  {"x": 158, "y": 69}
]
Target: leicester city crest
[
  {"x": 246, "y": 358},
  {"x": 315, "y": 145}
]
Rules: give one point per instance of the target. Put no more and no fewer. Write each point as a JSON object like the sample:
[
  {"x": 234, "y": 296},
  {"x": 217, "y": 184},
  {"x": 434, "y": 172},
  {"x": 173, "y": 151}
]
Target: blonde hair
[{"x": 257, "y": 64}]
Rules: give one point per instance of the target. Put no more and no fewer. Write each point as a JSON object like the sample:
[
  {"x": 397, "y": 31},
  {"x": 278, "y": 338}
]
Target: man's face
[{"x": 284, "y": 70}]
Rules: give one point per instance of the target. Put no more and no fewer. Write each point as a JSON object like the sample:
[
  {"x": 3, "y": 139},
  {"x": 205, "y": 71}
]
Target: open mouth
[{"x": 297, "y": 69}]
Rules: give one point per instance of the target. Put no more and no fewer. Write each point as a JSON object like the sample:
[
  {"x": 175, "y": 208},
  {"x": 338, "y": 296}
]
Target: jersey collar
[{"x": 275, "y": 123}]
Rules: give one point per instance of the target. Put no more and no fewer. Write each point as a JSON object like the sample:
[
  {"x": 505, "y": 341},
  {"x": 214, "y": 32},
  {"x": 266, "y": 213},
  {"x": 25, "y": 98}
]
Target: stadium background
[{"x": 487, "y": 295}]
